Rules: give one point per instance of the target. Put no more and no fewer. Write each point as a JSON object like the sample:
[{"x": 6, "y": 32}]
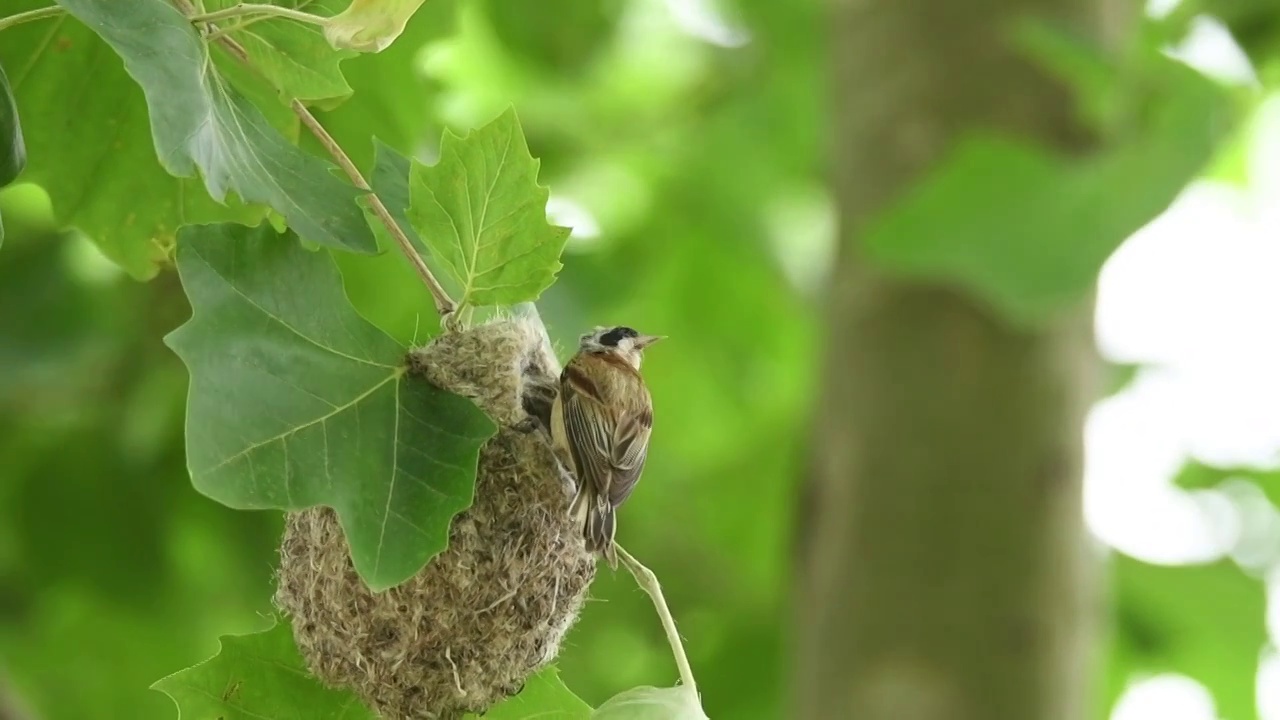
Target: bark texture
[{"x": 944, "y": 571}]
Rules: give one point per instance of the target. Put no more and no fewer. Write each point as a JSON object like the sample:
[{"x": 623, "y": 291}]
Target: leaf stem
[
  {"x": 244, "y": 9},
  {"x": 649, "y": 583},
  {"x": 30, "y": 15},
  {"x": 444, "y": 304}
]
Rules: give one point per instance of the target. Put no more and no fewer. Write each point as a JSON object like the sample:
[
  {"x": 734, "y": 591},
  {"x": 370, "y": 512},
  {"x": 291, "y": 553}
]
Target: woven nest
[{"x": 493, "y": 608}]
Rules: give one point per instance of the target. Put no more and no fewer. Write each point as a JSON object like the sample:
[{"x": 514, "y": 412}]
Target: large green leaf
[
  {"x": 1028, "y": 230},
  {"x": 260, "y": 676},
  {"x": 297, "y": 401},
  {"x": 199, "y": 121},
  {"x": 108, "y": 182},
  {"x": 482, "y": 213},
  {"x": 293, "y": 56}
]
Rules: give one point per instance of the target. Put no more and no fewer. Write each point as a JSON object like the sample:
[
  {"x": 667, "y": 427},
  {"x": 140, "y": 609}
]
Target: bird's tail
[{"x": 597, "y": 518}]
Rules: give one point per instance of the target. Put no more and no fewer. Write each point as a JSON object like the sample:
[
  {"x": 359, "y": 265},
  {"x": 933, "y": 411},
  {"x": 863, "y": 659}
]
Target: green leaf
[
  {"x": 370, "y": 25},
  {"x": 544, "y": 697},
  {"x": 260, "y": 93},
  {"x": 293, "y": 56},
  {"x": 393, "y": 93},
  {"x": 297, "y": 401},
  {"x": 651, "y": 703},
  {"x": 1205, "y": 621},
  {"x": 200, "y": 121},
  {"x": 108, "y": 183},
  {"x": 258, "y": 677},
  {"x": 1027, "y": 230},
  {"x": 482, "y": 213},
  {"x": 390, "y": 180}
]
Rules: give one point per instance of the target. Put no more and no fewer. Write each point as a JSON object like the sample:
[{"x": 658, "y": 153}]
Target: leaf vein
[
  {"x": 294, "y": 430},
  {"x": 391, "y": 489},
  {"x": 286, "y": 325},
  {"x": 526, "y": 253},
  {"x": 433, "y": 426},
  {"x": 475, "y": 245}
]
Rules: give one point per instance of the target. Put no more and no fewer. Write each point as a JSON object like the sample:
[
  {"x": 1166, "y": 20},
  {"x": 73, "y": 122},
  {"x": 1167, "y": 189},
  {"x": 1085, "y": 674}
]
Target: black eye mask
[{"x": 614, "y": 336}]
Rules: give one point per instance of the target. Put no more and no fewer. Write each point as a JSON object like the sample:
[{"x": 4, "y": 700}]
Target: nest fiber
[{"x": 489, "y": 611}]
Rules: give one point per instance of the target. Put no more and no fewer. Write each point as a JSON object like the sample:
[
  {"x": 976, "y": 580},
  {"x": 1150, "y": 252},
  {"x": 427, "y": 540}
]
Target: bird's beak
[{"x": 645, "y": 341}]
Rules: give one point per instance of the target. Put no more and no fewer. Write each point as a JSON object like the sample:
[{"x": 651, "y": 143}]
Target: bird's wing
[
  {"x": 630, "y": 449},
  {"x": 589, "y": 425}
]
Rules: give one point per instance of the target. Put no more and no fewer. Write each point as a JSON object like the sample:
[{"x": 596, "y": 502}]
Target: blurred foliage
[
  {"x": 113, "y": 569},
  {"x": 1254, "y": 24},
  {"x": 701, "y": 167},
  {"x": 968, "y": 222},
  {"x": 1204, "y": 621}
]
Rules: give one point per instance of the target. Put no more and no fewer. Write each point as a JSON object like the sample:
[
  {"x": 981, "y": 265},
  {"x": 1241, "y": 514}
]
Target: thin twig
[
  {"x": 444, "y": 304},
  {"x": 247, "y": 22},
  {"x": 226, "y": 30},
  {"x": 233, "y": 47},
  {"x": 250, "y": 9},
  {"x": 649, "y": 583},
  {"x": 28, "y": 16}
]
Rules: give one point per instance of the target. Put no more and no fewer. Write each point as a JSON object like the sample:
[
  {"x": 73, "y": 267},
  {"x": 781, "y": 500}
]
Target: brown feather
[
  {"x": 607, "y": 418},
  {"x": 579, "y": 381}
]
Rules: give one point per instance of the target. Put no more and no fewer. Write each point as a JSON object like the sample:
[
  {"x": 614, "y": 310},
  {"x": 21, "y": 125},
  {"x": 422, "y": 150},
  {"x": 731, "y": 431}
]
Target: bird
[{"x": 601, "y": 420}]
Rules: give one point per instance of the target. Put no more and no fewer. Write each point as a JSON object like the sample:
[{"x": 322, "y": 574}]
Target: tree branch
[{"x": 445, "y": 305}]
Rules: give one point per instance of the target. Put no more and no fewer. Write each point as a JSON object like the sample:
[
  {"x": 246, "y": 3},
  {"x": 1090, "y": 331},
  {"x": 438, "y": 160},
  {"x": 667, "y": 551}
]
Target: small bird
[{"x": 600, "y": 420}]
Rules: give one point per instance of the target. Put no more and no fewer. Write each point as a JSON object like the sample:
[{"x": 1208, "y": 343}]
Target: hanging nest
[{"x": 493, "y": 608}]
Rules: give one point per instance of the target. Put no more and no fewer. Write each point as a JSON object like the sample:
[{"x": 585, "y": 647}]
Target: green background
[{"x": 704, "y": 169}]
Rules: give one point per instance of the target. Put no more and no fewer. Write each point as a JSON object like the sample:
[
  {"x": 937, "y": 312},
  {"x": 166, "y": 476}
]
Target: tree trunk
[{"x": 944, "y": 571}]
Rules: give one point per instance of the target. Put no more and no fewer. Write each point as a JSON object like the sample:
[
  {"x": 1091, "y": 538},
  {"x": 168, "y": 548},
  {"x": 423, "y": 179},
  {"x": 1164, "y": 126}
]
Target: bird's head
[{"x": 621, "y": 340}]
